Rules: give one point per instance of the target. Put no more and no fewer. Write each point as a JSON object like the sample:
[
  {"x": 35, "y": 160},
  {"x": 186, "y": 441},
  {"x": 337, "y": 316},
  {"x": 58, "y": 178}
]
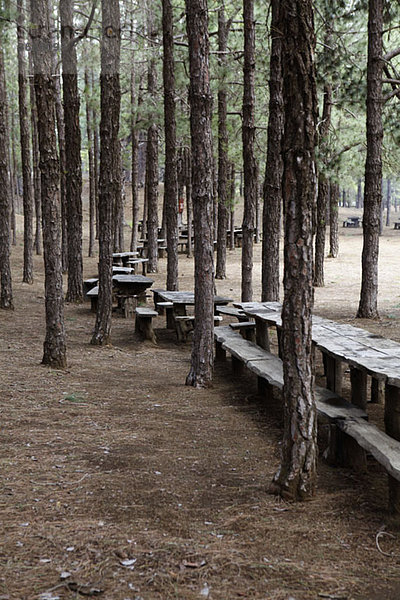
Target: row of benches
[{"x": 351, "y": 435}]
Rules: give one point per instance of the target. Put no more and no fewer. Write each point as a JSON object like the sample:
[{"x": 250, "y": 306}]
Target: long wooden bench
[{"x": 351, "y": 436}]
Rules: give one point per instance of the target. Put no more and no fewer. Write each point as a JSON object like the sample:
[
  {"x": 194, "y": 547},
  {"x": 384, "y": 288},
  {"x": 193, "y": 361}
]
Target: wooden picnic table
[
  {"x": 122, "y": 258},
  {"x": 176, "y": 303},
  {"x": 340, "y": 343},
  {"x": 181, "y": 300}
]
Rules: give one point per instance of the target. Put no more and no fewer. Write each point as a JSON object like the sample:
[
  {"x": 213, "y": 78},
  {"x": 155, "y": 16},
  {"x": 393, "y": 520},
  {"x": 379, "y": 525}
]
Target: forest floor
[{"x": 118, "y": 481}]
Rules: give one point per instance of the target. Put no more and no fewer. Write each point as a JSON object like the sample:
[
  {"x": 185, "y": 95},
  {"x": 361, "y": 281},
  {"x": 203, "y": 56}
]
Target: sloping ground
[{"x": 118, "y": 481}]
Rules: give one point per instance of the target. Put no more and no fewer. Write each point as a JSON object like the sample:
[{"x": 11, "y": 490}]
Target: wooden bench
[
  {"x": 350, "y": 434},
  {"x": 231, "y": 311},
  {"x": 185, "y": 324},
  {"x": 135, "y": 262},
  {"x": 144, "y": 322},
  {"x": 93, "y": 295}
]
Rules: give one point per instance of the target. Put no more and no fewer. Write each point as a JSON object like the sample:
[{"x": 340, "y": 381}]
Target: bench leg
[
  {"x": 262, "y": 334},
  {"x": 333, "y": 374},
  {"x": 343, "y": 451},
  {"x": 237, "y": 366},
  {"x": 377, "y": 391},
  {"x": 93, "y": 304},
  {"x": 144, "y": 326},
  {"x": 359, "y": 381},
  {"x": 265, "y": 389},
  {"x": 220, "y": 353},
  {"x": 392, "y": 428}
]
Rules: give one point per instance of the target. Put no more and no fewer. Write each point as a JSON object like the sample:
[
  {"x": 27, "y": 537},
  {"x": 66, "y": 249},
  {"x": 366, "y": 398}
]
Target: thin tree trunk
[
  {"x": 54, "y": 345},
  {"x": 6, "y": 297},
  {"x": 35, "y": 164},
  {"x": 12, "y": 187},
  {"x": 189, "y": 201},
  {"x": 73, "y": 152},
  {"x": 274, "y": 168},
  {"x": 135, "y": 147},
  {"x": 200, "y": 373},
  {"x": 25, "y": 146},
  {"x": 323, "y": 190},
  {"x": 359, "y": 195},
  {"x": 368, "y": 305},
  {"x": 296, "y": 477},
  {"x": 249, "y": 160},
  {"x": 388, "y": 201},
  {"x": 92, "y": 197},
  {"x": 170, "y": 179},
  {"x": 333, "y": 220},
  {"x": 232, "y": 205},
  {"x": 223, "y": 214},
  {"x": 109, "y": 186},
  {"x": 152, "y": 152}
]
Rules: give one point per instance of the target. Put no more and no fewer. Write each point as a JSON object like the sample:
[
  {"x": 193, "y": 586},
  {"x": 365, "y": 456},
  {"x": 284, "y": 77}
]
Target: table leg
[
  {"x": 392, "y": 428},
  {"x": 358, "y": 380}
]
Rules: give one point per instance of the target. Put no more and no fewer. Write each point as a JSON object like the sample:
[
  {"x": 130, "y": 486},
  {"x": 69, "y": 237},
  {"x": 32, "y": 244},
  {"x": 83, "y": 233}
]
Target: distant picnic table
[{"x": 352, "y": 222}]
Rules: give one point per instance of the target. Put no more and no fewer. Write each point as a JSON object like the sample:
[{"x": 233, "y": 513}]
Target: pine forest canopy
[{"x": 342, "y": 59}]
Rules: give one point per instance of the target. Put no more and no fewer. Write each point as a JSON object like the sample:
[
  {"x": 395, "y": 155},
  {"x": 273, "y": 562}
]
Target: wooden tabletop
[
  {"x": 360, "y": 348},
  {"x": 187, "y": 297}
]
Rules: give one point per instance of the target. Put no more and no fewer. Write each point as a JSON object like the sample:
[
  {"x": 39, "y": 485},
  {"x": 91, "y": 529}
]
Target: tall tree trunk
[
  {"x": 25, "y": 146},
  {"x": 152, "y": 153},
  {"x": 333, "y": 220},
  {"x": 388, "y": 201},
  {"x": 135, "y": 146},
  {"x": 296, "y": 477},
  {"x": 6, "y": 297},
  {"x": 223, "y": 213},
  {"x": 232, "y": 205},
  {"x": 189, "y": 200},
  {"x": 322, "y": 203},
  {"x": 73, "y": 178},
  {"x": 368, "y": 305},
  {"x": 35, "y": 163},
  {"x": 274, "y": 168},
  {"x": 170, "y": 178},
  {"x": 54, "y": 345},
  {"x": 109, "y": 186},
  {"x": 249, "y": 159},
  {"x": 323, "y": 190},
  {"x": 200, "y": 373},
  {"x": 92, "y": 189},
  {"x": 359, "y": 195}
]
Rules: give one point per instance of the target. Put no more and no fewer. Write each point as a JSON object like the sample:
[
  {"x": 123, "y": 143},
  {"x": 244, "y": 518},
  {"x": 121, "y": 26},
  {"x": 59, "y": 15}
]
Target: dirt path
[{"x": 119, "y": 481}]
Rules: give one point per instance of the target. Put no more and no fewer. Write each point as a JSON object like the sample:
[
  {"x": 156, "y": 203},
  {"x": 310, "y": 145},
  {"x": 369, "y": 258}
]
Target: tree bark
[
  {"x": 25, "y": 146},
  {"x": 6, "y": 297},
  {"x": 92, "y": 189},
  {"x": 135, "y": 147},
  {"x": 109, "y": 185},
  {"x": 54, "y": 345},
  {"x": 333, "y": 220},
  {"x": 323, "y": 190},
  {"x": 73, "y": 178},
  {"x": 388, "y": 201},
  {"x": 223, "y": 212},
  {"x": 152, "y": 154},
  {"x": 296, "y": 477},
  {"x": 274, "y": 168},
  {"x": 249, "y": 159},
  {"x": 170, "y": 178},
  {"x": 200, "y": 373},
  {"x": 368, "y": 304},
  {"x": 189, "y": 200},
  {"x": 35, "y": 163}
]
